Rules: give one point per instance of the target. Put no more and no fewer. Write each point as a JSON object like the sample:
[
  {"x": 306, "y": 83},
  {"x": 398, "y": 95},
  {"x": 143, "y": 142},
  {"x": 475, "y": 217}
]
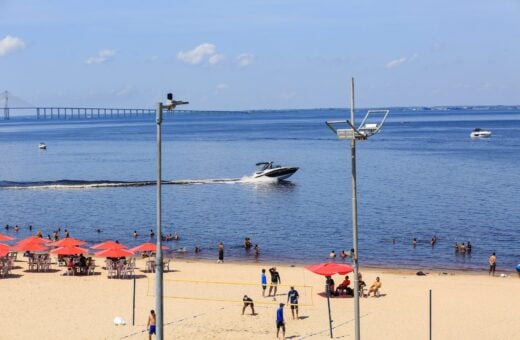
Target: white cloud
[
  {"x": 196, "y": 55},
  {"x": 396, "y": 62},
  {"x": 221, "y": 88},
  {"x": 245, "y": 59},
  {"x": 10, "y": 44},
  {"x": 102, "y": 57},
  {"x": 216, "y": 59}
]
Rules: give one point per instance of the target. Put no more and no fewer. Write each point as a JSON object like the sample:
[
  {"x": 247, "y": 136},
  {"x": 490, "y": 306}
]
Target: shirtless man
[
  {"x": 375, "y": 286},
  {"x": 151, "y": 324},
  {"x": 492, "y": 264}
]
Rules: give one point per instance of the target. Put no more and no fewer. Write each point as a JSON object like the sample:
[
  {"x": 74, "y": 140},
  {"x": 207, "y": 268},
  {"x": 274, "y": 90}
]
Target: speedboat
[
  {"x": 479, "y": 133},
  {"x": 268, "y": 170},
  {"x": 42, "y": 146}
]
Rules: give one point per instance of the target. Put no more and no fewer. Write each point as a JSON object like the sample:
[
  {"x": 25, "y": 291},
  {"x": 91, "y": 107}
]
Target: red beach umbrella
[
  {"x": 108, "y": 245},
  {"x": 29, "y": 246},
  {"x": 4, "y": 249},
  {"x": 6, "y": 238},
  {"x": 70, "y": 250},
  {"x": 114, "y": 252},
  {"x": 67, "y": 242},
  {"x": 33, "y": 239},
  {"x": 330, "y": 268},
  {"x": 147, "y": 247}
]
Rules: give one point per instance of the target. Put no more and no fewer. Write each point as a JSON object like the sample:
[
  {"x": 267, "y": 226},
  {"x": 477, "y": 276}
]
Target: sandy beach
[{"x": 203, "y": 301}]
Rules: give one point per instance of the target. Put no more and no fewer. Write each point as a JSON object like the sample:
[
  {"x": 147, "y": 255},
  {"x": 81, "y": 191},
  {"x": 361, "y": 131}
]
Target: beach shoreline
[
  {"x": 408, "y": 269},
  {"x": 202, "y": 300}
]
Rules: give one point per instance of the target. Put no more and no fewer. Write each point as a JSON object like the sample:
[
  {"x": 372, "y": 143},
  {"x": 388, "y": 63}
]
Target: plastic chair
[{"x": 166, "y": 265}]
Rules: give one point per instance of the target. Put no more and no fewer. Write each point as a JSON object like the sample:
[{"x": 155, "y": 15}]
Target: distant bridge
[{"x": 26, "y": 109}]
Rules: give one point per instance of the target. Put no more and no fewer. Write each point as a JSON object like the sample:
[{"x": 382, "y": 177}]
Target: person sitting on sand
[
  {"x": 361, "y": 284},
  {"x": 344, "y": 286},
  {"x": 248, "y": 302},
  {"x": 374, "y": 288}
]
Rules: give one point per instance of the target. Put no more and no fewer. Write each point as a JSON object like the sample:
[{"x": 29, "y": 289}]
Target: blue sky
[{"x": 264, "y": 54}]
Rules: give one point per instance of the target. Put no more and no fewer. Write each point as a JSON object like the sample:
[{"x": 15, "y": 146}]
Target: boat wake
[{"x": 79, "y": 184}]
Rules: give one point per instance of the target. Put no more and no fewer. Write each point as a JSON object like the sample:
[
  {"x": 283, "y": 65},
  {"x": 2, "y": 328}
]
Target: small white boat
[
  {"x": 42, "y": 146},
  {"x": 267, "y": 169},
  {"x": 479, "y": 133}
]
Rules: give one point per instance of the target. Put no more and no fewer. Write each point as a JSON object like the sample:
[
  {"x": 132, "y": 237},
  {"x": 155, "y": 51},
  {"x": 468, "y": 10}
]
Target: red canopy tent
[
  {"x": 33, "y": 239},
  {"x": 108, "y": 245},
  {"x": 30, "y": 246},
  {"x": 67, "y": 242},
  {"x": 4, "y": 249},
  {"x": 330, "y": 268},
  {"x": 114, "y": 252},
  {"x": 6, "y": 238},
  {"x": 147, "y": 247},
  {"x": 71, "y": 250}
]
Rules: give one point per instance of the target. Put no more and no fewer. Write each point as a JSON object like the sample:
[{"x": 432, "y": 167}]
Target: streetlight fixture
[
  {"x": 368, "y": 127},
  {"x": 169, "y": 105}
]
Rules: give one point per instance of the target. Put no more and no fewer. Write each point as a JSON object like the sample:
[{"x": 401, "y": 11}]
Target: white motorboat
[
  {"x": 268, "y": 170},
  {"x": 479, "y": 133},
  {"x": 42, "y": 146}
]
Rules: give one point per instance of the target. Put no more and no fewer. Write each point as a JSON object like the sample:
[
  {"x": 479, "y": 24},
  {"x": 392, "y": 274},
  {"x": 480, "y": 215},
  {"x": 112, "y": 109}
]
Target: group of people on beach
[
  {"x": 344, "y": 287},
  {"x": 247, "y": 246},
  {"x": 292, "y": 299}
]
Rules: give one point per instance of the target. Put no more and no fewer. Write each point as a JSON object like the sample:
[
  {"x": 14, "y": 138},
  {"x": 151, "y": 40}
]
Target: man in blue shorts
[
  {"x": 280, "y": 323},
  {"x": 292, "y": 297},
  {"x": 151, "y": 324},
  {"x": 263, "y": 279}
]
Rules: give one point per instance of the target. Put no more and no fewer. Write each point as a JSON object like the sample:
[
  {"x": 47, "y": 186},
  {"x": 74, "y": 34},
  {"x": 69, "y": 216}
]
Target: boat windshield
[{"x": 264, "y": 166}]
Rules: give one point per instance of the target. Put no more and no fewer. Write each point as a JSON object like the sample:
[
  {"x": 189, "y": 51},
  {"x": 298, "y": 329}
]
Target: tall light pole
[
  {"x": 170, "y": 105},
  {"x": 366, "y": 129}
]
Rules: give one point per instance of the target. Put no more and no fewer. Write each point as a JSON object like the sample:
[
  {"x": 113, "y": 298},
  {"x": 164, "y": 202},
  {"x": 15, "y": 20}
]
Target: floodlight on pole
[
  {"x": 169, "y": 105},
  {"x": 370, "y": 125}
]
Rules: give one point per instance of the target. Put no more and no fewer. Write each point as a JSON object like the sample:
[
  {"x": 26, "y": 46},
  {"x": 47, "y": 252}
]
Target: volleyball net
[{"x": 228, "y": 291}]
